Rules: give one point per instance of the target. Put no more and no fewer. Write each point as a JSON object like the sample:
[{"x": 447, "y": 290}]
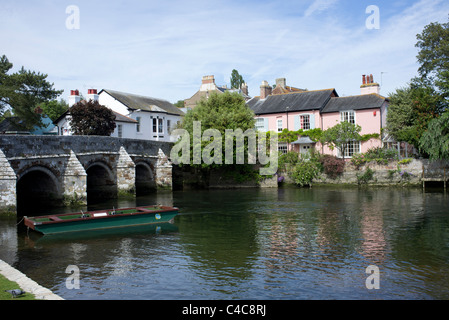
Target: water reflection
[{"x": 255, "y": 244}]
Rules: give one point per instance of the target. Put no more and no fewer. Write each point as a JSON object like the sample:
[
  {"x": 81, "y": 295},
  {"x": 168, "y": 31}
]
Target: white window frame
[
  {"x": 283, "y": 148},
  {"x": 120, "y": 131},
  {"x": 279, "y": 125},
  {"x": 260, "y": 124},
  {"x": 350, "y": 149},
  {"x": 138, "y": 119},
  {"x": 303, "y": 120},
  {"x": 347, "y": 115}
]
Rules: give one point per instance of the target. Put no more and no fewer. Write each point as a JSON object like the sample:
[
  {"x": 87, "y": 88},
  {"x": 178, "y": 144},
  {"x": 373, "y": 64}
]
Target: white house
[
  {"x": 125, "y": 126},
  {"x": 137, "y": 117},
  {"x": 156, "y": 118}
]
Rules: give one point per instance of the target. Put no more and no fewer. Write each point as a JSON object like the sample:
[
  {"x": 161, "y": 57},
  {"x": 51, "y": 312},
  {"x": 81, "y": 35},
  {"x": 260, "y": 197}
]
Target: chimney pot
[
  {"x": 364, "y": 79},
  {"x": 281, "y": 82},
  {"x": 74, "y": 97},
  {"x": 265, "y": 90}
]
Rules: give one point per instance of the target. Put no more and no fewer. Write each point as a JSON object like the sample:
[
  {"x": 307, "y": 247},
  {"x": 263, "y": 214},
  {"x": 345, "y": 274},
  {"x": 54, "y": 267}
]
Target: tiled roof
[
  {"x": 286, "y": 89},
  {"x": 295, "y": 101},
  {"x": 136, "y": 102},
  {"x": 360, "y": 102}
]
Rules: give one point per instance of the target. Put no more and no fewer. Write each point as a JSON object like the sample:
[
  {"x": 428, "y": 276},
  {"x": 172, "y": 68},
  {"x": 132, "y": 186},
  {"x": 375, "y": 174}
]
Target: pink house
[{"x": 303, "y": 109}]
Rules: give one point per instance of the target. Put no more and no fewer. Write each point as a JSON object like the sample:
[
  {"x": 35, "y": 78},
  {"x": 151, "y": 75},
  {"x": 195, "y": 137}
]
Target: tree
[
  {"x": 54, "y": 108},
  {"x": 221, "y": 112},
  {"x": 236, "y": 80},
  {"x": 23, "y": 91},
  {"x": 91, "y": 118},
  {"x": 340, "y": 135},
  {"x": 435, "y": 141},
  {"x": 433, "y": 56},
  {"x": 412, "y": 108},
  {"x": 179, "y": 104}
]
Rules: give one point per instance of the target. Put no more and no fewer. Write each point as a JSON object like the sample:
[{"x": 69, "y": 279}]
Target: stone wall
[
  {"x": 392, "y": 173},
  {"x": 8, "y": 182},
  {"x": 14, "y": 146}
]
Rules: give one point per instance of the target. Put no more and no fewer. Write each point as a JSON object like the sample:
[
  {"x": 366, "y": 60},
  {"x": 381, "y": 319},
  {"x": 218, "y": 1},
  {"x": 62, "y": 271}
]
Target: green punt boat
[{"x": 102, "y": 219}]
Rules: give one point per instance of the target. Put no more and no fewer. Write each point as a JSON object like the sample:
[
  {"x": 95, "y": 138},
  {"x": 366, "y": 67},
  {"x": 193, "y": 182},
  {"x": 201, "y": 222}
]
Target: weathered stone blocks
[
  {"x": 8, "y": 181},
  {"x": 74, "y": 181}
]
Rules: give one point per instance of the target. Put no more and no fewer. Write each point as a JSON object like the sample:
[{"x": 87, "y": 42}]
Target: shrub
[
  {"x": 358, "y": 159},
  {"x": 332, "y": 165},
  {"x": 304, "y": 172},
  {"x": 405, "y": 161},
  {"x": 366, "y": 177},
  {"x": 381, "y": 153},
  {"x": 289, "y": 158}
]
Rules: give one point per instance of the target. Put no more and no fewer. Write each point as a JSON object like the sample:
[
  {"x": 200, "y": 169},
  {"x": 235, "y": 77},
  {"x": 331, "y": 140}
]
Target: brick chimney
[
  {"x": 265, "y": 90},
  {"x": 92, "y": 95},
  {"x": 74, "y": 97},
  {"x": 368, "y": 85},
  {"x": 245, "y": 88},
  {"x": 208, "y": 83},
  {"x": 281, "y": 82}
]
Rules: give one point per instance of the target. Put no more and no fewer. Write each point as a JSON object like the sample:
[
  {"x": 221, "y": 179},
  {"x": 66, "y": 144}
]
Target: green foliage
[
  {"x": 405, "y": 161},
  {"x": 305, "y": 171},
  {"x": 288, "y": 159},
  {"x": 219, "y": 112},
  {"x": 433, "y": 56},
  {"x": 435, "y": 141},
  {"x": 54, "y": 108},
  {"x": 340, "y": 135},
  {"x": 413, "y": 108},
  {"x": 22, "y": 91},
  {"x": 291, "y": 136},
  {"x": 378, "y": 154},
  {"x": 91, "y": 118},
  {"x": 179, "y": 104},
  {"x": 367, "y": 176},
  {"x": 236, "y": 80},
  {"x": 401, "y": 116}
]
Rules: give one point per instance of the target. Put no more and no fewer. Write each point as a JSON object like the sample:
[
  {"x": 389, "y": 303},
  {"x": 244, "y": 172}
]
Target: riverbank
[
  {"x": 411, "y": 172},
  {"x": 14, "y": 276}
]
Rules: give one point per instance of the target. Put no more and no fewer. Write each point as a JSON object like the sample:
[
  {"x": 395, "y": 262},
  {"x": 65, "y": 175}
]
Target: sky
[{"x": 162, "y": 49}]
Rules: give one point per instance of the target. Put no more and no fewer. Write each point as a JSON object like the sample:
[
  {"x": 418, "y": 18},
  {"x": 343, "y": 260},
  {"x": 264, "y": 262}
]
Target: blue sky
[{"x": 163, "y": 48}]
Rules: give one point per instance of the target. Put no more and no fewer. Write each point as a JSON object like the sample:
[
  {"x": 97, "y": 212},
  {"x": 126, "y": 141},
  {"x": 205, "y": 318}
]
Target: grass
[{"x": 5, "y": 284}]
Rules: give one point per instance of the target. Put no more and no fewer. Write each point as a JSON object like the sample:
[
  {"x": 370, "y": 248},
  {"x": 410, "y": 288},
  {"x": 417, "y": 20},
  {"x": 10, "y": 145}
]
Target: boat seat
[{"x": 53, "y": 218}]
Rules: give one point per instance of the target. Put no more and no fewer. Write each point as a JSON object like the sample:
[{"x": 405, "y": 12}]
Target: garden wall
[{"x": 392, "y": 173}]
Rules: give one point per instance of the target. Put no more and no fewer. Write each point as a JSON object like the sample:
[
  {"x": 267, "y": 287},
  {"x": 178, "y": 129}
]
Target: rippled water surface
[{"x": 254, "y": 244}]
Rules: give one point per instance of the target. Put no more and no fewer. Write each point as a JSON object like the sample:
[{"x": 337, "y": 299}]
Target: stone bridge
[{"x": 72, "y": 169}]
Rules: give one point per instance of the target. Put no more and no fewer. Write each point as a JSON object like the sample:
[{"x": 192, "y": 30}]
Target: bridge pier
[
  {"x": 164, "y": 170},
  {"x": 126, "y": 173},
  {"x": 8, "y": 183},
  {"x": 74, "y": 182}
]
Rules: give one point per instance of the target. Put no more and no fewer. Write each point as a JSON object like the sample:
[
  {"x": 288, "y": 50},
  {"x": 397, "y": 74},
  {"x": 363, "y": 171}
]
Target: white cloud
[{"x": 319, "y": 5}]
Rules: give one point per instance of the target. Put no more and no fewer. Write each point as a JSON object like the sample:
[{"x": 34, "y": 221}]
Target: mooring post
[
  {"x": 422, "y": 178},
  {"x": 444, "y": 178}
]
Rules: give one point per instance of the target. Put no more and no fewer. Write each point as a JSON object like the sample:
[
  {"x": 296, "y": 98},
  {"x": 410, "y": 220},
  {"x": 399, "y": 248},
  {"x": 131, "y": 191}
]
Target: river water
[{"x": 271, "y": 244}]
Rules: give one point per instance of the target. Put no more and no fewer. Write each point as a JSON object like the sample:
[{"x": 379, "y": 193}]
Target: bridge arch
[
  {"x": 145, "y": 178},
  {"x": 101, "y": 182},
  {"x": 38, "y": 186}
]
